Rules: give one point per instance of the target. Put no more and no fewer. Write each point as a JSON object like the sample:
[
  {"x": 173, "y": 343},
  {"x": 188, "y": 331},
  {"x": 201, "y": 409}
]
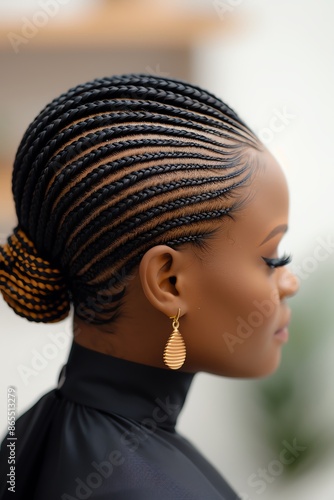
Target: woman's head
[{"x": 111, "y": 173}]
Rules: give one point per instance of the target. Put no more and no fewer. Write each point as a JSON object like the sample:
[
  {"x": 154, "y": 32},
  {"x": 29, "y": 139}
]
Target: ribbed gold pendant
[{"x": 175, "y": 351}]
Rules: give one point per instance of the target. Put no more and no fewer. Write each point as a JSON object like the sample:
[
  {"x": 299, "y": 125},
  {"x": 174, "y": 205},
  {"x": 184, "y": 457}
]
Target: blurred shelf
[
  {"x": 7, "y": 208},
  {"x": 123, "y": 24}
]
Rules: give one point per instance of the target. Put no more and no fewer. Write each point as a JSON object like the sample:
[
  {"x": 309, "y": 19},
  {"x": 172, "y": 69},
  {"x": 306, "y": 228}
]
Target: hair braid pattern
[
  {"x": 28, "y": 283},
  {"x": 105, "y": 172}
]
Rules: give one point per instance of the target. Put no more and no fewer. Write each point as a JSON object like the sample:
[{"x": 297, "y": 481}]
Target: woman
[{"x": 152, "y": 209}]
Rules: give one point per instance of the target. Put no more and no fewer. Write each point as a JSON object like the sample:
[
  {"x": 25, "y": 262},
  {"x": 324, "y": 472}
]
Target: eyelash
[{"x": 278, "y": 262}]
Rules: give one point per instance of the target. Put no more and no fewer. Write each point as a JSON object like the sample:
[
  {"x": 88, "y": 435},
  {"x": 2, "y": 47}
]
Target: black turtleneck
[{"x": 108, "y": 432}]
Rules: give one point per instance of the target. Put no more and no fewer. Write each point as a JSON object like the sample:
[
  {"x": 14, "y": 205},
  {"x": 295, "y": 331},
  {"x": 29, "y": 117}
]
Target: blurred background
[{"x": 273, "y": 63}]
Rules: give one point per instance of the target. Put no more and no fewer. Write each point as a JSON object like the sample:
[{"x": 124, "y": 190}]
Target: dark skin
[{"x": 216, "y": 290}]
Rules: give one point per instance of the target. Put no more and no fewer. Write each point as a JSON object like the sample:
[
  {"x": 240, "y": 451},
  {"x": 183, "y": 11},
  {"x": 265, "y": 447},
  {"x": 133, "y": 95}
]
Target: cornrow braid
[{"x": 108, "y": 170}]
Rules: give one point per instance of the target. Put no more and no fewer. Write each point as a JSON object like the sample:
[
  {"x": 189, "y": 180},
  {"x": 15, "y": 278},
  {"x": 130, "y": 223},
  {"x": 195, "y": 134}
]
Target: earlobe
[{"x": 160, "y": 273}]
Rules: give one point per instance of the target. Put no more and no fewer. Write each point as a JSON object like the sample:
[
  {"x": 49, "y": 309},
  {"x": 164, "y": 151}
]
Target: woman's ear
[{"x": 162, "y": 273}]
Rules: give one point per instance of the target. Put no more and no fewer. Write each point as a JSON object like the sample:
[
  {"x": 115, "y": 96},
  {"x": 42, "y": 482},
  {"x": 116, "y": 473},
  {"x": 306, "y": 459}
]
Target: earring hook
[{"x": 177, "y": 317}]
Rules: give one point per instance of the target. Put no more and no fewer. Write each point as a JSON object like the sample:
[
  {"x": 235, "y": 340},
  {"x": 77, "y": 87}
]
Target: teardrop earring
[{"x": 175, "y": 350}]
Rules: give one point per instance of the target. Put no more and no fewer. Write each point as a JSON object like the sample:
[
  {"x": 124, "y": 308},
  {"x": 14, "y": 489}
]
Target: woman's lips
[{"x": 282, "y": 334}]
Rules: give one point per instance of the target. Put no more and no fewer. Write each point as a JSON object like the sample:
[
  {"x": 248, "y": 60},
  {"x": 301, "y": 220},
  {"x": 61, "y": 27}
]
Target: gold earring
[{"x": 175, "y": 350}]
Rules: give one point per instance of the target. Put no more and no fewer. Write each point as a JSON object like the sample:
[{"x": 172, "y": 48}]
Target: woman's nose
[{"x": 288, "y": 283}]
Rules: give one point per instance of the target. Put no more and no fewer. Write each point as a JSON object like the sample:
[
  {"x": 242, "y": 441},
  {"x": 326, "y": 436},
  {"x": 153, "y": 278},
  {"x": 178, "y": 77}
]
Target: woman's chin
[
  {"x": 256, "y": 370},
  {"x": 268, "y": 369}
]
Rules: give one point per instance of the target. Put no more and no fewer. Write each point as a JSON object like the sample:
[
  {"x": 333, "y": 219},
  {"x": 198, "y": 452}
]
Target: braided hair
[{"x": 106, "y": 171}]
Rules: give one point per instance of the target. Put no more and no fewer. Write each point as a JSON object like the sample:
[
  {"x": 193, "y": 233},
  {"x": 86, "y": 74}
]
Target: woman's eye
[{"x": 278, "y": 262}]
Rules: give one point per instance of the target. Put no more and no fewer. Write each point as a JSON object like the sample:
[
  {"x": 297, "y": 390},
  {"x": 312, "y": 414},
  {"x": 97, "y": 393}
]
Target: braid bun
[{"x": 29, "y": 284}]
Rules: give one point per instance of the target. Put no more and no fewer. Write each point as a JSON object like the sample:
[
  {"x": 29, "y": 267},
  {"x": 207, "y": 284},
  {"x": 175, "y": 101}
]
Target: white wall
[{"x": 284, "y": 59}]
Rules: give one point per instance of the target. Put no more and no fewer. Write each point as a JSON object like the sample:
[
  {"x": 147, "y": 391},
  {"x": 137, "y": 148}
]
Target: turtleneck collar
[{"x": 131, "y": 390}]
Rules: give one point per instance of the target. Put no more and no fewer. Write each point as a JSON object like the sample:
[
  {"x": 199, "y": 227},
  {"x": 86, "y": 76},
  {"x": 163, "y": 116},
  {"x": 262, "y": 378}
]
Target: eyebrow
[{"x": 278, "y": 229}]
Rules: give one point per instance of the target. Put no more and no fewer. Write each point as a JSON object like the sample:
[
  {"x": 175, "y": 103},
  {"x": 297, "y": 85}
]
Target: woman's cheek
[{"x": 259, "y": 307}]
